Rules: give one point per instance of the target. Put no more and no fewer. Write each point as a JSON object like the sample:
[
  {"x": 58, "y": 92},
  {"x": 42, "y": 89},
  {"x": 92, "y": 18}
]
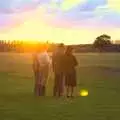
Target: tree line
[
  {"x": 102, "y": 43},
  {"x": 23, "y": 46}
]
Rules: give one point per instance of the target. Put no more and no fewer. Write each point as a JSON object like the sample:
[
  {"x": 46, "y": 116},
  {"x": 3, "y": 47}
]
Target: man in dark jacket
[{"x": 57, "y": 59}]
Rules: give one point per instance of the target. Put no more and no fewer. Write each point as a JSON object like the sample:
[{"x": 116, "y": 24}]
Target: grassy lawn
[{"x": 99, "y": 73}]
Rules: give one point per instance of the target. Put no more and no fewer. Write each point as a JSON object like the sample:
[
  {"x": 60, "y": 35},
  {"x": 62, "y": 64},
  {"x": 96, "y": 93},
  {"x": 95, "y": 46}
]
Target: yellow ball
[{"x": 83, "y": 93}]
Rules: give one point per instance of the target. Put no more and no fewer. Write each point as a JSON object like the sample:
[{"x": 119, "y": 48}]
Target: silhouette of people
[{"x": 63, "y": 63}]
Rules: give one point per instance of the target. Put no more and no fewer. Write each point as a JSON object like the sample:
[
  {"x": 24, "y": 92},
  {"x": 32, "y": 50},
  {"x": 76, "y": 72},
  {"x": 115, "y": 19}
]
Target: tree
[{"x": 102, "y": 41}]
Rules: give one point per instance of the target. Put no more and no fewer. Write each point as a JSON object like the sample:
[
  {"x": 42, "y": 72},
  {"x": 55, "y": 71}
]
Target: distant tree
[
  {"x": 2, "y": 46},
  {"x": 102, "y": 41},
  {"x": 8, "y": 45}
]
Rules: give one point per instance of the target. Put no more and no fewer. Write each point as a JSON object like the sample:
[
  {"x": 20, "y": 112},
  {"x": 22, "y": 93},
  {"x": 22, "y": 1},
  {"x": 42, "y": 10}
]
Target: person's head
[
  {"x": 69, "y": 50},
  {"x": 61, "y": 48}
]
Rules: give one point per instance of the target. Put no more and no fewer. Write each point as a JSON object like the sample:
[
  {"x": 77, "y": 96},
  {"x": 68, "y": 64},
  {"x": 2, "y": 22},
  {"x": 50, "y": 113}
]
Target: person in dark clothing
[
  {"x": 58, "y": 70},
  {"x": 69, "y": 65}
]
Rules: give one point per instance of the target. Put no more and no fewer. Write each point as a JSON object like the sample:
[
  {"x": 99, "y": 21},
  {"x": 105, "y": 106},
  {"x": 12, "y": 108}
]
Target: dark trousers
[{"x": 58, "y": 84}]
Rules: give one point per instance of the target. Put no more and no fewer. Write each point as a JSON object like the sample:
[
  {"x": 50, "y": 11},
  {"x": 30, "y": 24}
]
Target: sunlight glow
[
  {"x": 114, "y": 4},
  {"x": 62, "y": 21}
]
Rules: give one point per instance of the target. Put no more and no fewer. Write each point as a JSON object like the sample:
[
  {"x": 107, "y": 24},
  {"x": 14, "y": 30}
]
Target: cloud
[
  {"x": 68, "y": 4},
  {"x": 12, "y": 6},
  {"x": 90, "y": 5},
  {"x": 99, "y": 16},
  {"x": 14, "y": 20},
  {"x": 45, "y": 21},
  {"x": 84, "y": 10},
  {"x": 37, "y": 27}
]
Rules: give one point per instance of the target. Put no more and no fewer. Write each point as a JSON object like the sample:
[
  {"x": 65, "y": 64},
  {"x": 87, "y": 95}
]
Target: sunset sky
[{"x": 68, "y": 21}]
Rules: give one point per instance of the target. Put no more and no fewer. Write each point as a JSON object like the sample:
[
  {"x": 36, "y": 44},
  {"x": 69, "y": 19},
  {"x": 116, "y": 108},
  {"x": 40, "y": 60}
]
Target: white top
[{"x": 44, "y": 58}]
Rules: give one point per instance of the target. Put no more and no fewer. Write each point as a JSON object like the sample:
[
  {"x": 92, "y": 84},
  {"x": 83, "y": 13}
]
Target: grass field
[{"x": 99, "y": 73}]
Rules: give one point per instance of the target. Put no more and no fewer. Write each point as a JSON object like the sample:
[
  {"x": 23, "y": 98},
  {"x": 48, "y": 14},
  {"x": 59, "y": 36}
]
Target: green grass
[{"x": 99, "y": 73}]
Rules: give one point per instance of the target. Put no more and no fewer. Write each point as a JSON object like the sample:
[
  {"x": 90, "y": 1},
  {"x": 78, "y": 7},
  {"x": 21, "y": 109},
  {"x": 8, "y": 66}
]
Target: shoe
[
  {"x": 43, "y": 90},
  {"x": 68, "y": 96},
  {"x": 72, "y": 96}
]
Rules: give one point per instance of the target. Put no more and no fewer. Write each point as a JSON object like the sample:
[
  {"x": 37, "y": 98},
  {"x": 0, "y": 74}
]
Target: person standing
[
  {"x": 69, "y": 64},
  {"x": 41, "y": 70},
  {"x": 57, "y": 59},
  {"x": 44, "y": 62}
]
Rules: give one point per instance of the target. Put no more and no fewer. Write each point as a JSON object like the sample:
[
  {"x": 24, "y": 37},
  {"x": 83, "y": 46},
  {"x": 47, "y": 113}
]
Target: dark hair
[
  {"x": 69, "y": 50},
  {"x": 61, "y": 45}
]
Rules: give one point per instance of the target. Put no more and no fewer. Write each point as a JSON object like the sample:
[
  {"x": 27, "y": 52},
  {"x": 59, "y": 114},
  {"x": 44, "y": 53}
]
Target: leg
[
  {"x": 40, "y": 84},
  {"x": 67, "y": 84},
  {"x": 67, "y": 91},
  {"x": 44, "y": 78},
  {"x": 55, "y": 89},
  {"x": 36, "y": 88},
  {"x": 61, "y": 84},
  {"x": 43, "y": 87},
  {"x": 61, "y": 88},
  {"x": 72, "y": 90},
  {"x": 43, "y": 90},
  {"x": 40, "y": 89},
  {"x": 35, "y": 85},
  {"x": 72, "y": 82}
]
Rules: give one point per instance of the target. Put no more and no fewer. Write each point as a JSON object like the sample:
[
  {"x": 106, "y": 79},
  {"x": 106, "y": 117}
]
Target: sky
[{"x": 67, "y": 21}]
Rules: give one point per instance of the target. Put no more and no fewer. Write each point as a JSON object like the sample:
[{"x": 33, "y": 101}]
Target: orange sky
[{"x": 35, "y": 27}]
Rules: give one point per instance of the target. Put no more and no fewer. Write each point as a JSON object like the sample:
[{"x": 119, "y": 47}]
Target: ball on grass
[{"x": 83, "y": 92}]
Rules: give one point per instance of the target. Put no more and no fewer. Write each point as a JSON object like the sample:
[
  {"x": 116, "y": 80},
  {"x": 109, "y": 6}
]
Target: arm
[
  {"x": 75, "y": 61},
  {"x": 35, "y": 62},
  {"x": 53, "y": 62}
]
